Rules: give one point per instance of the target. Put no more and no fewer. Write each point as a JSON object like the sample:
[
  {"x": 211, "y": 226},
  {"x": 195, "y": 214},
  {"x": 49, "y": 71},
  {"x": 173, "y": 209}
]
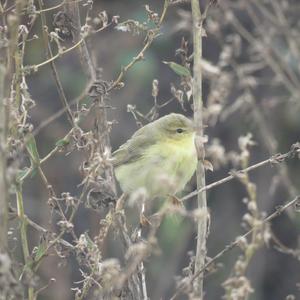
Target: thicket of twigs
[{"x": 77, "y": 77}]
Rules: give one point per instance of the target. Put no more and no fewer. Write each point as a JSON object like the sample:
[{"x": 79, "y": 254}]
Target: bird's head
[{"x": 175, "y": 127}]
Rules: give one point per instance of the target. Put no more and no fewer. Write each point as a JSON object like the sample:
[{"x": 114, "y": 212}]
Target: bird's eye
[{"x": 179, "y": 130}]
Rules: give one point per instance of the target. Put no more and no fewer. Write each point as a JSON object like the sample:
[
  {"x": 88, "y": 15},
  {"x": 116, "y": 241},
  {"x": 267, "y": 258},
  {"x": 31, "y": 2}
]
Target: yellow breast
[
  {"x": 178, "y": 163},
  {"x": 165, "y": 168}
]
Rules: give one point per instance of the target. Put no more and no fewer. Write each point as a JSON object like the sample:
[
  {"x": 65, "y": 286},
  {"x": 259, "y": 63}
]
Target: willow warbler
[{"x": 160, "y": 157}]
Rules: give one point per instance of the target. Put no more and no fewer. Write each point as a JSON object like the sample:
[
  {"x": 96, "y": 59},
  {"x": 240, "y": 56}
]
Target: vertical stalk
[
  {"x": 6, "y": 78},
  {"x": 198, "y": 118},
  {"x": 23, "y": 233},
  {"x": 3, "y": 181},
  {"x": 11, "y": 81}
]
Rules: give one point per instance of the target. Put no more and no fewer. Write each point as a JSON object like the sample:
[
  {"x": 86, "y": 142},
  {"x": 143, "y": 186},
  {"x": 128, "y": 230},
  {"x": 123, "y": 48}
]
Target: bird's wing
[{"x": 134, "y": 148}]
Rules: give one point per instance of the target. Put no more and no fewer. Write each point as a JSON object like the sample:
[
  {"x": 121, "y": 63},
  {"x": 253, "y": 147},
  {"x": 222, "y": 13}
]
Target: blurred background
[{"x": 251, "y": 86}]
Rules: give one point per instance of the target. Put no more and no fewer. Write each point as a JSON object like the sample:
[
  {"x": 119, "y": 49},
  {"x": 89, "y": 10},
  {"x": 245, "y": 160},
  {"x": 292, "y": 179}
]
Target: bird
[{"x": 160, "y": 158}]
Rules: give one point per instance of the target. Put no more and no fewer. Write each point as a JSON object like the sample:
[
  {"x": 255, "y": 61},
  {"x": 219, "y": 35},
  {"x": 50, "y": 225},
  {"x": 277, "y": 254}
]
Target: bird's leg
[
  {"x": 144, "y": 221},
  {"x": 120, "y": 202},
  {"x": 175, "y": 201}
]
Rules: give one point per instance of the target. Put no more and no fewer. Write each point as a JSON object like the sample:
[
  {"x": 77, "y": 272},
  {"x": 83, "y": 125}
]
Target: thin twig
[
  {"x": 277, "y": 158},
  {"x": 273, "y": 63},
  {"x": 265, "y": 40},
  {"x": 229, "y": 247},
  {"x": 49, "y": 55},
  {"x": 177, "y": 2},
  {"x": 56, "y": 56},
  {"x": 152, "y": 34},
  {"x": 55, "y": 6},
  {"x": 58, "y": 114},
  {"x": 267, "y": 136},
  {"x": 72, "y": 11},
  {"x": 44, "y": 230},
  {"x": 91, "y": 70}
]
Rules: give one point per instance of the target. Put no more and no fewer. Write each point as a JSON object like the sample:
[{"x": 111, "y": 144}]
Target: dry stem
[
  {"x": 3, "y": 181},
  {"x": 198, "y": 117},
  {"x": 232, "y": 245}
]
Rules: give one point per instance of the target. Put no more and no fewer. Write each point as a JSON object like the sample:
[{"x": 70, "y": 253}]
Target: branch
[
  {"x": 273, "y": 63},
  {"x": 49, "y": 55},
  {"x": 229, "y": 247},
  {"x": 59, "y": 113},
  {"x": 59, "y": 54},
  {"x": 72, "y": 10},
  {"x": 277, "y": 158},
  {"x": 177, "y": 2},
  {"x": 152, "y": 34},
  {"x": 55, "y": 6},
  {"x": 91, "y": 70},
  {"x": 44, "y": 230},
  {"x": 198, "y": 118}
]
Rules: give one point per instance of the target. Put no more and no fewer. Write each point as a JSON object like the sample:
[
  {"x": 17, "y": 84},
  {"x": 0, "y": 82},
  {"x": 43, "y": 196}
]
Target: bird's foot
[
  {"x": 144, "y": 221},
  {"x": 120, "y": 202},
  {"x": 175, "y": 201}
]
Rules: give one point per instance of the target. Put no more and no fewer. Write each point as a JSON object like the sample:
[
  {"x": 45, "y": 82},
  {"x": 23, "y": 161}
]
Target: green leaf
[
  {"x": 32, "y": 150},
  {"x": 178, "y": 69},
  {"x": 90, "y": 243},
  {"x": 33, "y": 172},
  {"x": 40, "y": 250},
  {"x": 62, "y": 143}
]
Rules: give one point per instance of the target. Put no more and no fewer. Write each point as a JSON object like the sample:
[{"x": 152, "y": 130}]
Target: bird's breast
[
  {"x": 165, "y": 168},
  {"x": 178, "y": 160}
]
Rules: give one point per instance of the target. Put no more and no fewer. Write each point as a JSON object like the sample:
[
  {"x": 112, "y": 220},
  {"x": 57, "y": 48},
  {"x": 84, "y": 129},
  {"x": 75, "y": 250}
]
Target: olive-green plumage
[{"x": 160, "y": 157}]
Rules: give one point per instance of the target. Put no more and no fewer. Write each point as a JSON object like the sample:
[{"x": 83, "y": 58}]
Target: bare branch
[
  {"x": 277, "y": 158},
  {"x": 49, "y": 55},
  {"x": 229, "y": 247}
]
